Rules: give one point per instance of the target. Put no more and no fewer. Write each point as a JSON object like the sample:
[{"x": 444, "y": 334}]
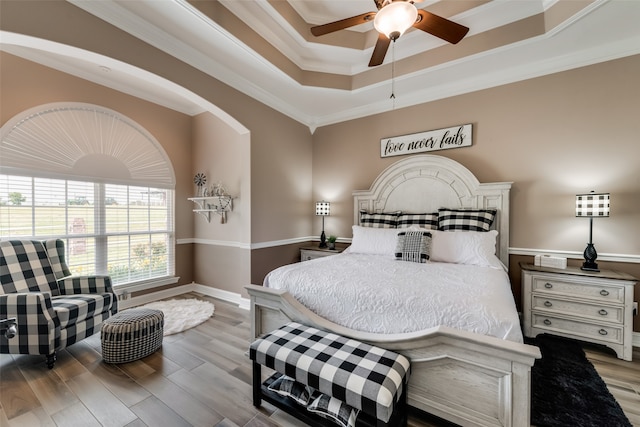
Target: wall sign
[{"x": 433, "y": 140}]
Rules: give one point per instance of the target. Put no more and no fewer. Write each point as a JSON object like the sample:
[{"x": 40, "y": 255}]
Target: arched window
[{"x": 96, "y": 179}]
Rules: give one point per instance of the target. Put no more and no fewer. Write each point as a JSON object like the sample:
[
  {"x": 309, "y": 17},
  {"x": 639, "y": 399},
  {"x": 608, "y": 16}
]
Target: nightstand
[
  {"x": 313, "y": 252},
  {"x": 589, "y": 306}
]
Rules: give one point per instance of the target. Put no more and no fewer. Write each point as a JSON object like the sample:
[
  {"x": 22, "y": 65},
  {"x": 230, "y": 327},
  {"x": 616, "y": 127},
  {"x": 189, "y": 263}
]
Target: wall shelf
[{"x": 216, "y": 204}]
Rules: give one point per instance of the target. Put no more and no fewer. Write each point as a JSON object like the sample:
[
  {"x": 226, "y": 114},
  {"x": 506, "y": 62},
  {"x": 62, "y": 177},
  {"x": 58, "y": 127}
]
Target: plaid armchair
[{"x": 52, "y": 309}]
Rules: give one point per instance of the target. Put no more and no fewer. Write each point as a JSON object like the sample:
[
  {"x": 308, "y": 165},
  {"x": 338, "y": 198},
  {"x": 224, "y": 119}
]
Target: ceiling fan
[{"x": 391, "y": 20}]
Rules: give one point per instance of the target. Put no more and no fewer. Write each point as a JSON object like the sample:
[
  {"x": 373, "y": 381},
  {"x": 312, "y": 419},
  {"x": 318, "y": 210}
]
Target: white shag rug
[{"x": 182, "y": 314}]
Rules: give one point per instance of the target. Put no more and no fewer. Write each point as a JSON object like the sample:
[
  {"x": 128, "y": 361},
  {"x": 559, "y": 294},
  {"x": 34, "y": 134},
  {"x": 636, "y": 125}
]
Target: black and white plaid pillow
[
  {"x": 422, "y": 220},
  {"x": 333, "y": 409},
  {"x": 414, "y": 246},
  {"x": 379, "y": 220},
  {"x": 466, "y": 219},
  {"x": 289, "y": 387}
]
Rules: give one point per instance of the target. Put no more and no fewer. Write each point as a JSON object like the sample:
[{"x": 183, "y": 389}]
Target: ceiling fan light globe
[{"x": 395, "y": 18}]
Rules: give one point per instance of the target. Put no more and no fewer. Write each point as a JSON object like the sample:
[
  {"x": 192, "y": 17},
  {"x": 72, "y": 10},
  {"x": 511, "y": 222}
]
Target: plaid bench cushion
[{"x": 365, "y": 377}]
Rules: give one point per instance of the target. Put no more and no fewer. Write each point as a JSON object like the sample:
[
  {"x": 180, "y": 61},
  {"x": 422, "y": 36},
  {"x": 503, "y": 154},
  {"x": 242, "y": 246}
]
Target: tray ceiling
[{"x": 264, "y": 49}]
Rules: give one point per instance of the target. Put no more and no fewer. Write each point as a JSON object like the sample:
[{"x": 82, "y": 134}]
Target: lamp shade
[
  {"x": 592, "y": 204},
  {"x": 323, "y": 208},
  {"x": 395, "y": 18}
]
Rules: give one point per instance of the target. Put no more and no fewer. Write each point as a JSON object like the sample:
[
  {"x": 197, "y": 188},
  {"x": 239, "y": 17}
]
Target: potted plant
[{"x": 332, "y": 241}]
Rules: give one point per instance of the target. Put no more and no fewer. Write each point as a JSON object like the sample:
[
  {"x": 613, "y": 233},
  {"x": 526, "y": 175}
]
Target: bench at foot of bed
[{"x": 314, "y": 366}]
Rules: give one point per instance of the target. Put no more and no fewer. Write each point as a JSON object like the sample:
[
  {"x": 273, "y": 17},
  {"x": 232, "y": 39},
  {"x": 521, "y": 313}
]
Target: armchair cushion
[
  {"x": 72, "y": 309},
  {"x": 24, "y": 267}
]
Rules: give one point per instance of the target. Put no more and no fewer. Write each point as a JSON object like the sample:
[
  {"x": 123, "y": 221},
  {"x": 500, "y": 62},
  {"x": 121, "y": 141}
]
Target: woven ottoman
[{"x": 131, "y": 335}]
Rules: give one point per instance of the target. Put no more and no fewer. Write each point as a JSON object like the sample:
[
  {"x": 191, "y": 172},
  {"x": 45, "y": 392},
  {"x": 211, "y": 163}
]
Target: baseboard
[
  {"x": 232, "y": 297},
  {"x": 154, "y": 296},
  {"x": 223, "y": 295},
  {"x": 635, "y": 340}
]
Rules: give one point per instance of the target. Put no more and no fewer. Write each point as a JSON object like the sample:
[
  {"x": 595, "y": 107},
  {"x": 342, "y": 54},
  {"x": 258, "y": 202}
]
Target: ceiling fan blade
[
  {"x": 320, "y": 30},
  {"x": 379, "y": 52},
  {"x": 440, "y": 27}
]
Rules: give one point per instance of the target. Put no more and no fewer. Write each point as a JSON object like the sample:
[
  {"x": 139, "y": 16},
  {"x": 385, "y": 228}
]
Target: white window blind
[
  {"x": 95, "y": 179},
  {"x": 120, "y": 230}
]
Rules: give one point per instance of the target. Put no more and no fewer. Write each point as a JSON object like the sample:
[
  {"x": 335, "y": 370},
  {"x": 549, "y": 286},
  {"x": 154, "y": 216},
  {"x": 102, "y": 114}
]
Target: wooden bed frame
[{"x": 463, "y": 377}]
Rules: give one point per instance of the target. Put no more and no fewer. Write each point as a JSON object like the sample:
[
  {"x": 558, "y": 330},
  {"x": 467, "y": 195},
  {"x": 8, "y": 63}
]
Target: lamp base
[
  {"x": 589, "y": 266},
  {"x": 323, "y": 240},
  {"x": 590, "y": 256}
]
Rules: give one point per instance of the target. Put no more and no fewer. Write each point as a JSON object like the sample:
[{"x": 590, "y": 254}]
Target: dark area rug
[{"x": 567, "y": 390}]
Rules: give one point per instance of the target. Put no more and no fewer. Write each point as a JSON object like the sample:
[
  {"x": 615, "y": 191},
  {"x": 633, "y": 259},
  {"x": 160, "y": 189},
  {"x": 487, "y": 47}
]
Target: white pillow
[
  {"x": 465, "y": 247},
  {"x": 374, "y": 241}
]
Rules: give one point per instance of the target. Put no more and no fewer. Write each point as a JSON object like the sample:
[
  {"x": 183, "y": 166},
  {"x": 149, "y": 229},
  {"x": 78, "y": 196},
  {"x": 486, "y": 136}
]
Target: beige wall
[
  {"x": 554, "y": 137},
  {"x": 223, "y": 155}
]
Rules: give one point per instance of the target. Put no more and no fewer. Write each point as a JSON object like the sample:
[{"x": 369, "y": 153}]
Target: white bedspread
[{"x": 376, "y": 293}]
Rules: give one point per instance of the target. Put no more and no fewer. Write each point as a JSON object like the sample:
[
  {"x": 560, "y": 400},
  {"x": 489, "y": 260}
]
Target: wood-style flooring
[{"x": 200, "y": 377}]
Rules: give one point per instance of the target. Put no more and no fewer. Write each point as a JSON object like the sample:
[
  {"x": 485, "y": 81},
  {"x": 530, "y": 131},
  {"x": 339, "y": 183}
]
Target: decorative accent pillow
[
  {"x": 465, "y": 247},
  {"x": 379, "y": 220},
  {"x": 289, "y": 387},
  {"x": 427, "y": 221},
  {"x": 334, "y": 409},
  {"x": 374, "y": 241},
  {"x": 413, "y": 246},
  {"x": 466, "y": 219}
]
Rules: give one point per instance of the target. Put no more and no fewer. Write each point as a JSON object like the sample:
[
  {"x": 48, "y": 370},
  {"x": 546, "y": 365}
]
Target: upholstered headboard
[{"x": 425, "y": 183}]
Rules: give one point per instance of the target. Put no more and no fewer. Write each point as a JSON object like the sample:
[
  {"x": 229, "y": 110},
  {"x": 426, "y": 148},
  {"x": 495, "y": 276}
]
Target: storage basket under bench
[{"x": 313, "y": 366}]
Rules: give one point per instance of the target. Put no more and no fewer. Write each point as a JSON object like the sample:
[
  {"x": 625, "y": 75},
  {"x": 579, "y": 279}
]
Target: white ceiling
[{"x": 596, "y": 31}]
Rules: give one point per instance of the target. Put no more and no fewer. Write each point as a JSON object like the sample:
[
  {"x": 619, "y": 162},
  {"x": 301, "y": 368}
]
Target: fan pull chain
[{"x": 393, "y": 72}]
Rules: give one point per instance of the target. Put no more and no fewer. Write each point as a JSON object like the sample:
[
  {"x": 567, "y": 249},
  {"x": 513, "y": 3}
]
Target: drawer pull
[
  {"x": 548, "y": 285},
  {"x": 547, "y": 304},
  {"x": 603, "y": 332},
  {"x": 604, "y": 292},
  {"x": 548, "y": 322},
  {"x": 603, "y": 312}
]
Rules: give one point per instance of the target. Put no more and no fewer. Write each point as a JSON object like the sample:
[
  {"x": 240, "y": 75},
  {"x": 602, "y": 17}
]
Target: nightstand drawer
[
  {"x": 586, "y": 330},
  {"x": 577, "y": 308},
  {"x": 596, "y": 292},
  {"x": 307, "y": 254}
]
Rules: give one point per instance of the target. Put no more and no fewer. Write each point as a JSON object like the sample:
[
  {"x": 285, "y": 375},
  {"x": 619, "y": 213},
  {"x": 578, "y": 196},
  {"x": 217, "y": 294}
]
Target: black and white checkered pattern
[
  {"x": 51, "y": 315},
  {"x": 428, "y": 221},
  {"x": 38, "y": 325},
  {"x": 466, "y": 219},
  {"x": 413, "y": 246},
  {"x": 593, "y": 204},
  {"x": 131, "y": 335},
  {"x": 379, "y": 220},
  {"x": 24, "y": 267},
  {"x": 85, "y": 285},
  {"x": 365, "y": 377},
  {"x": 55, "y": 253}
]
